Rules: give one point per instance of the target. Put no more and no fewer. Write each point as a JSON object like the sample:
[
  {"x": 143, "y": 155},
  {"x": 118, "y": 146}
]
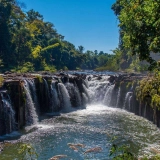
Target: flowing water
[
  {"x": 92, "y": 127},
  {"x": 7, "y": 114},
  {"x": 64, "y": 98},
  {"x": 54, "y": 97},
  {"x": 31, "y": 115}
]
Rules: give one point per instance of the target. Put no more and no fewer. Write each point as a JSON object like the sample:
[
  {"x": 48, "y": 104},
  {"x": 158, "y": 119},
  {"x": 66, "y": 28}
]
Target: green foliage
[
  {"x": 149, "y": 90},
  {"x": 40, "y": 79},
  {"x": 50, "y": 47},
  {"x": 156, "y": 157},
  {"x": 27, "y": 152},
  {"x": 28, "y": 43},
  {"x": 139, "y": 27},
  {"x": 26, "y": 67},
  {"x": 1, "y": 81},
  {"x": 113, "y": 63},
  {"x": 121, "y": 153}
]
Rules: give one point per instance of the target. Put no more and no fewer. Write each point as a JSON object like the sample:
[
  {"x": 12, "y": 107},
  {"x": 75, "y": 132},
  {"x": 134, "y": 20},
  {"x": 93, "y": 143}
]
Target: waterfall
[
  {"x": 54, "y": 97},
  {"x": 118, "y": 97},
  {"x": 130, "y": 98},
  {"x": 127, "y": 100},
  {"x": 74, "y": 94},
  {"x": 64, "y": 98},
  {"x": 86, "y": 90},
  {"x": 108, "y": 95},
  {"x": 7, "y": 114},
  {"x": 30, "y": 111},
  {"x": 46, "y": 90},
  {"x": 85, "y": 82},
  {"x": 84, "y": 99},
  {"x": 145, "y": 110},
  {"x": 32, "y": 88},
  {"x": 77, "y": 95},
  {"x": 96, "y": 88}
]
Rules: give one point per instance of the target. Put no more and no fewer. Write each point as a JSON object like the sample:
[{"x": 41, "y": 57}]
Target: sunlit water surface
[{"x": 94, "y": 126}]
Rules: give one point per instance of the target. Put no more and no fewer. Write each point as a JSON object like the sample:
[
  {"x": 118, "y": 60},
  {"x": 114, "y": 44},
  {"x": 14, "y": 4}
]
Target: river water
[{"x": 93, "y": 127}]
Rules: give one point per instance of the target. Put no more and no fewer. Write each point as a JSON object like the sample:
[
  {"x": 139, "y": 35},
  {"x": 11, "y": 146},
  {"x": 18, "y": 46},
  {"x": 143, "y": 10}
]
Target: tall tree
[
  {"x": 139, "y": 24},
  {"x": 80, "y": 49},
  {"x": 5, "y": 37}
]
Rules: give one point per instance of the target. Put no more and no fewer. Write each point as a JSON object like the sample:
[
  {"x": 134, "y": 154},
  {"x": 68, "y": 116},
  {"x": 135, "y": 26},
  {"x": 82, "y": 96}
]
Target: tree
[
  {"x": 139, "y": 26},
  {"x": 5, "y": 36},
  {"x": 80, "y": 49}
]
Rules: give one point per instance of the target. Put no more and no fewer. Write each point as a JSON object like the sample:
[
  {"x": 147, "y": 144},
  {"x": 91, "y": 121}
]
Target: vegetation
[
  {"x": 149, "y": 90},
  {"x": 27, "y": 152},
  {"x": 139, "y": 28},
  {"x": 123, "y": 152},
  {"x": 28, "y": 43},
  {"x": 1, "y": 81}
]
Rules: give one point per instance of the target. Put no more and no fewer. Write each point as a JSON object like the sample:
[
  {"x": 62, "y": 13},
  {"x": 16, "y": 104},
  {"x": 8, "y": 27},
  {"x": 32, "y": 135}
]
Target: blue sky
[{"x": 90, "y": 23}]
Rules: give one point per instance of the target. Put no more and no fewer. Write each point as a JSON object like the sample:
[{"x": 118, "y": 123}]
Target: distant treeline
[{"x": 28, "y": 43}]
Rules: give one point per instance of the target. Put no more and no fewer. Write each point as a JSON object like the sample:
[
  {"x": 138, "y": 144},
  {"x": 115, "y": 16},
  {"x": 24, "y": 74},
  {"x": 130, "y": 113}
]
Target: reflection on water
[{"x": 92, "y": 127}]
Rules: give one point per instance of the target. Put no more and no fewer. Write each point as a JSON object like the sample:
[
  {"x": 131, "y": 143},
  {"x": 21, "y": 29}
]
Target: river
[
  {"x": 93, "y": 127},
  {"x": 99, "y": 124}
]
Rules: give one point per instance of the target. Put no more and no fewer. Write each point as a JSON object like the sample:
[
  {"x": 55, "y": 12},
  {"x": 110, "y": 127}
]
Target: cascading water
[
  {"x": 130, "y": 99},
  {"x": 87, "y": 92},
  {"x": 33, "y": 92},
  {"x": 108, "y": 95},
  {"x": 30, "y": 111},
  {"x": 64, "y": 98},
  {"x": 97, "y": 88},
  {"x": 74, "y": 94},
  {"x": 77, "y": 96},
  {"x": 127, "y": 101},
  {"x": 145, "y": 110},
  {"x": 85, "y": 82},
  {"x": 46, "y": 91},
  {"x": 7, "y": 114},
  {"x": 118, "y": 97},
  {"x": 98, "y": 122},
  {"x": 85, "y": 99},
  {"x": 54, "y": 97}
]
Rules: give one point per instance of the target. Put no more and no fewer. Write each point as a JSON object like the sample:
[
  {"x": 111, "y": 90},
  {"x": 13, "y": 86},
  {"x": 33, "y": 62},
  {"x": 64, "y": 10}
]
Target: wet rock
[
  {"x": 99, "y": 78},
  {"x": 7, "y": 72},
  {"x": 112, "y": 79},
  {"x": 89, "y": 78}
]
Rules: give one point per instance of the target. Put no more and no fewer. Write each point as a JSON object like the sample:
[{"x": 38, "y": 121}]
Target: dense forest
[
  {"x": 139, "y": 34},
  {"x": 28, "y": 43}
]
